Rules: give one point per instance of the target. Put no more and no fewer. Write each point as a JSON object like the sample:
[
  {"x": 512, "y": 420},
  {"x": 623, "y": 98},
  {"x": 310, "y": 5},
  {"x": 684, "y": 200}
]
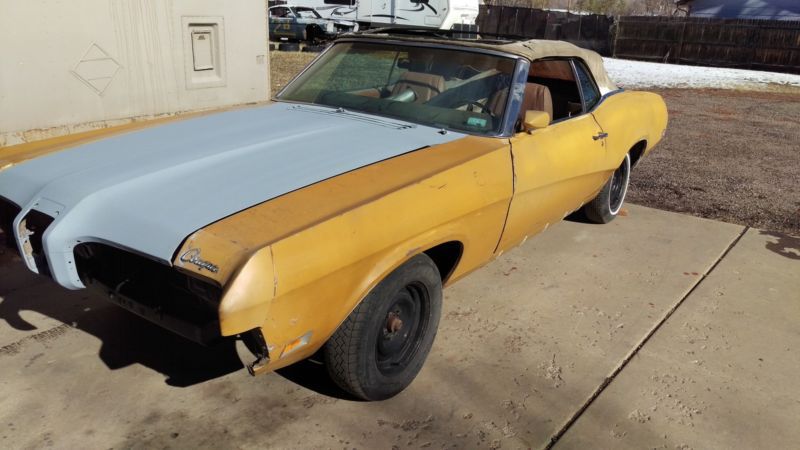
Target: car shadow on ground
[
  {"x": 126, "y": 338},
  {"x": 579, "y": 217},
  {"x": 313, "y": 375},
  {"x": 129, "y": 339}
]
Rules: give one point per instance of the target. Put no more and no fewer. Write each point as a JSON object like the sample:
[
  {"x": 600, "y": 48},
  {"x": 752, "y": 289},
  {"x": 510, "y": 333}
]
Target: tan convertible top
[{"x": 532, "y": 49}]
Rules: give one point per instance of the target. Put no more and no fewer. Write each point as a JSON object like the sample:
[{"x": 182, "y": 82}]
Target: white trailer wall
[{"x": 73, "y": 65}]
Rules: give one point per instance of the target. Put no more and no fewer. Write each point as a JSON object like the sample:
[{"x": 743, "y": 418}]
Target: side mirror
[{"x": 535, "y": 120}]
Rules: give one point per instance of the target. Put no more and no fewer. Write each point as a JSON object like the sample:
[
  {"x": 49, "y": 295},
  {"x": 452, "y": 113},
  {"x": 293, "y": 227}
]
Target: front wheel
[
  {"x": 381, "y": 346},
  {"x": 605, "y": 207}
]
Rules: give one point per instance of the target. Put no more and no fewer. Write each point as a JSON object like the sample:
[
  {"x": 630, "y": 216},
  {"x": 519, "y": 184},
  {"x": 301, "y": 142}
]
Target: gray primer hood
[{"x": 146, "y": 191}]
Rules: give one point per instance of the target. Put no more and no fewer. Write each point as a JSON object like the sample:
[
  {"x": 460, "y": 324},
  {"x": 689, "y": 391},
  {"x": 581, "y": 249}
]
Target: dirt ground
[
  {"x": 728, "y": 155},
  {"x": 285, "y": 65}
]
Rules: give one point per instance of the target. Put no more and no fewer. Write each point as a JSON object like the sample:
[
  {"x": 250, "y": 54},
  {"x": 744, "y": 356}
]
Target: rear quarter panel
[{"x": 630, "y": 117}]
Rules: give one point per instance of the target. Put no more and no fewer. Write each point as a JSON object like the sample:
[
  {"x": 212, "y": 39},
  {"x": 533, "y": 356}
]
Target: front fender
[
  {"x": 308, "y": 258},
  {"x": 247, "y": 296},
  {"x": 322, "y": 273},
  {"x": 315, "y": 310}
]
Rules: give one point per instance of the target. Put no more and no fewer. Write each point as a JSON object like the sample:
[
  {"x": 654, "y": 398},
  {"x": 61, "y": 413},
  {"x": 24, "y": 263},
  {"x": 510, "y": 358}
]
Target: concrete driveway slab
[
  {"x": 723, "y": 370},
  {"x": 524, "y": 343}
]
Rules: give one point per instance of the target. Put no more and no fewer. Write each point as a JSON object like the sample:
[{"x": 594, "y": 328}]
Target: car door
[
  {"x": 556, "y": 168},
  {"x": 298, "y": 24},
  {"x": 281, "y": 21}
]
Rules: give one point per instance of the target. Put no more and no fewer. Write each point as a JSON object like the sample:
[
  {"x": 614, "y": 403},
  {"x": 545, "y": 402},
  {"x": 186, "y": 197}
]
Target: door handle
[{"x": 599, "y": 136}]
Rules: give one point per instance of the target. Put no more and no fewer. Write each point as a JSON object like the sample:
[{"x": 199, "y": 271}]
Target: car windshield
[{"x": 444, "y": 88}]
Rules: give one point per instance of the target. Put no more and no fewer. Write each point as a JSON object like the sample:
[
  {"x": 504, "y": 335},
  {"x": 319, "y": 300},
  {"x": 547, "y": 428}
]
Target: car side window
[
  {"x": 279, "y": 12},
  {"x": 306, "y": 13},
  {"x": 552, "y": 88},
  {"x": 590, "y": 93}
]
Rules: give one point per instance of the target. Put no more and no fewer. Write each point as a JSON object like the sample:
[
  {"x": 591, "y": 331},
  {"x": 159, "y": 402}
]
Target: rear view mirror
[{"x": 535, "y": 120}]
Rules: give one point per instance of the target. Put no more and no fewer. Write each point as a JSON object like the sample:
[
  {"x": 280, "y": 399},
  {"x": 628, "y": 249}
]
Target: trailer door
[{"x": 435, "y": 11}]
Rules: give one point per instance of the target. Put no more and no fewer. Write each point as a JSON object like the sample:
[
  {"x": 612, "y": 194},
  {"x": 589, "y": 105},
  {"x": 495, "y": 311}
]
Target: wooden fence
[
  {"x": 588, "y": 31},
  {"x": 750, "y": 44}
]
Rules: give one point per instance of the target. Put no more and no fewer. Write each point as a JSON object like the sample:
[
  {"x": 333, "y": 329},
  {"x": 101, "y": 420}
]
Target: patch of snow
[{"x": 639, "y": 74}]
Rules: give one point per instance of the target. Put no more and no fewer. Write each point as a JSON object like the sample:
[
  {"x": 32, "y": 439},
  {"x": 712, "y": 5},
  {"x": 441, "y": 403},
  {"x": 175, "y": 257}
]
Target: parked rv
[{"x": 441, "y": 14}]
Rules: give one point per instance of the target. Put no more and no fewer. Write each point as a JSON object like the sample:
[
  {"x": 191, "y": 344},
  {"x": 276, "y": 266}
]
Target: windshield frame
[{"x": 513, "y": 100}]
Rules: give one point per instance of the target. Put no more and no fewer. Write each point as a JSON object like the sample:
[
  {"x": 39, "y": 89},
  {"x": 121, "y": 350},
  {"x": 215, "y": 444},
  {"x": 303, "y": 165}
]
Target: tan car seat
[
  {"x": 537, "y": 98},
  {"x": 497, "y": 102},
  {"x": 425, "y": 86}
]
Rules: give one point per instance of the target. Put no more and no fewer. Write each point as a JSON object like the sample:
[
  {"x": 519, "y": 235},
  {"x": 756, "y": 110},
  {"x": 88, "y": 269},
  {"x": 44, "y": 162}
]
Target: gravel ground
[
  {"x": 729, "y": 154},
  {"x": 284, "y": 66}
]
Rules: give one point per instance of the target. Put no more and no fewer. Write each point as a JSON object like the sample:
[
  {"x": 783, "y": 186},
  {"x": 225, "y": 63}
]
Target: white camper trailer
[{"x": 439, "y": 14}]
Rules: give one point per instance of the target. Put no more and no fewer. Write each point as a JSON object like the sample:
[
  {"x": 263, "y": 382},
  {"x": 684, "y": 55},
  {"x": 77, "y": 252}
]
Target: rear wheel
[
  {"x": 381, "y": 346},
  {"x": 605, "y": 207}
]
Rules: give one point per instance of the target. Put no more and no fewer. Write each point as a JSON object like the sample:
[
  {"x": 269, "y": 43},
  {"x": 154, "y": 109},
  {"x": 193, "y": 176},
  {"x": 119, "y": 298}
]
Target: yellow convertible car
[{"x": 330, "y": 219}]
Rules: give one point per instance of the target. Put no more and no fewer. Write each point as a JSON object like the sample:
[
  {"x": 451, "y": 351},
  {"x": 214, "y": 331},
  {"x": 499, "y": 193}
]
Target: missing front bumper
[{"x": 159, "y": 293}]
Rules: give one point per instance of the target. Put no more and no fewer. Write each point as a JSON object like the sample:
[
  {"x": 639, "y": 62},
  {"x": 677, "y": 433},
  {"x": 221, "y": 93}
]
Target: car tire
[
  {"x": 313, "y": 48},
  {"x": 313, "y": 34},
  {"x": 606, "y": 206},
  {"x": 381, "y": 346},
  {"x": 289, "y": 47}
]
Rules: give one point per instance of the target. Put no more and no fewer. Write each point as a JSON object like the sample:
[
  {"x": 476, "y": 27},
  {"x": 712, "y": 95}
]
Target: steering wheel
[{"x": 484, "y": 108}]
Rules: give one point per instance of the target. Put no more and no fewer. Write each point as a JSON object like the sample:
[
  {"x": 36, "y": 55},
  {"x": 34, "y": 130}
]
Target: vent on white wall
[
  {"x": 204, "y": 52},
  {"x": 203, "y": 48}
]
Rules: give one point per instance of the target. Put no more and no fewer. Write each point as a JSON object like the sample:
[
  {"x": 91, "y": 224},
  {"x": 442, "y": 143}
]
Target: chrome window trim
[
  {"x": 509, "y": 120},
  {"x": 516, "y": 94},
  {"x": 580, "y": 86},
  {"x": 578, "y": 82}
]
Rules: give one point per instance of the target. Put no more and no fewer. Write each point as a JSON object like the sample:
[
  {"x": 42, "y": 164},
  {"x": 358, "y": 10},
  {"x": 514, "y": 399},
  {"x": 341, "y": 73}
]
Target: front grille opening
[
  {"x": 178, "y": 302},
  {"x": 8, "y": 212},
  {"x": 37, "y": 223}
]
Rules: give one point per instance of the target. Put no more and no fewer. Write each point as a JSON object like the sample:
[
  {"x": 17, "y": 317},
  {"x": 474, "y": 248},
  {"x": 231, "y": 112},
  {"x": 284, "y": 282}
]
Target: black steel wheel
[
  {"x": 381, "y": 346},
  {"x": 402, "y": 333},
  {"x": 289, "y": 47},
  {"x": 605, "y": 207},
  {"x": 313, "y": 48}
]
